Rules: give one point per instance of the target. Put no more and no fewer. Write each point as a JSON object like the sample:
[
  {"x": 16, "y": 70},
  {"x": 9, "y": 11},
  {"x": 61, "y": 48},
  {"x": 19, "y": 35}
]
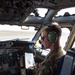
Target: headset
[{"x": 52, "y": 36}]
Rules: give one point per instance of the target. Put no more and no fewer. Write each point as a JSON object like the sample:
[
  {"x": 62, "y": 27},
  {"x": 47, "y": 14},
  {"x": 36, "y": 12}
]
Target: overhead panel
[{"x": 16, "y": 11}]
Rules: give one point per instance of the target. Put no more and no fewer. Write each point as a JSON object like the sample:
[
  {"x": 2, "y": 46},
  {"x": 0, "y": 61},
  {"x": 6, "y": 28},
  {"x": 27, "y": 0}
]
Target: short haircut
[{"x": 55, "y": 28}]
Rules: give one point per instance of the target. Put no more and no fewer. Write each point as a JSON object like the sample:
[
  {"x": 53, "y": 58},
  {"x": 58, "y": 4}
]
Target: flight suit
[{"x": 49, "y": 65}]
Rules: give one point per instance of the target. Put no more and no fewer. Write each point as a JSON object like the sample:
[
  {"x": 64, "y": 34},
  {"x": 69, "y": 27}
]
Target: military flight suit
[{"x": 49, "y": 65}]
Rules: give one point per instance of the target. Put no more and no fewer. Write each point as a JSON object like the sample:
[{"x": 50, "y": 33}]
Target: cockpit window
[
  {"x": 40, "y": 12},
  {"x": 66, "y": 11},
  {"x": 64, "y": 36},
  {"x": 14, "y": 32}
]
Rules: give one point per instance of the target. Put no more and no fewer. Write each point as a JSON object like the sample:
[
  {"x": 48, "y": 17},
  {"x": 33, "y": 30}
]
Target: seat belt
[{"x": 68, "y": 63}]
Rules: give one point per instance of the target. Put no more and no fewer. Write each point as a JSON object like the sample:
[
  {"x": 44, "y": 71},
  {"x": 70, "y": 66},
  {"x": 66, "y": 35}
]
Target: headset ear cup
[{"x": 52, "y": 37}]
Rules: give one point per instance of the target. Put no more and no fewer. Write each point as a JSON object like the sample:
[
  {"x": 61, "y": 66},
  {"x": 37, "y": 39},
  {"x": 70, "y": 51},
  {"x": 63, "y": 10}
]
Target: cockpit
[{"x": 21, "y": 23}]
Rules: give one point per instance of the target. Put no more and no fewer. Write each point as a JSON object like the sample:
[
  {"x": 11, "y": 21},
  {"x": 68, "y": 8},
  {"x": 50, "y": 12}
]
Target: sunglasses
[{"x": 42, "y": 38}]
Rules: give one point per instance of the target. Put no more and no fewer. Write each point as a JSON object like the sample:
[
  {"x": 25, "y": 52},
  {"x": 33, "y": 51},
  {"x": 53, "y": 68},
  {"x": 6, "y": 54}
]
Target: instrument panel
[
  {"x": 9, "y": 60},
  {"x": 11, "y": 53}
]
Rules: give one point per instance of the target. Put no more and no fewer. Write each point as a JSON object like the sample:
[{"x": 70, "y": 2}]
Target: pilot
[{"x": 50, "y": 39}]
